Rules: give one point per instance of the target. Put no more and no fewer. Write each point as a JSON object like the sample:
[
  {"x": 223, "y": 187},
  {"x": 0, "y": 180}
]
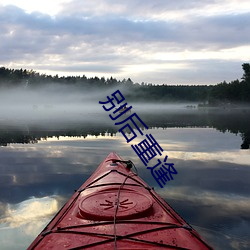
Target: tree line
[{"x": 236, "y": 91}]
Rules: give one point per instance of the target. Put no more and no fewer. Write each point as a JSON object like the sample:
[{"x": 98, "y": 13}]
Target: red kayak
[{"x": 116, "y": 209}]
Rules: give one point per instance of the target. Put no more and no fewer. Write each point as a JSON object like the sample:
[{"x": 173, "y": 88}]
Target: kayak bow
[{"x": 116, "y": 209}]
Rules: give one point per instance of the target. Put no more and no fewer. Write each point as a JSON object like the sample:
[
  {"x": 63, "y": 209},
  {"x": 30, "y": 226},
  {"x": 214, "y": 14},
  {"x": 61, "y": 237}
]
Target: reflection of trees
[
  {"x": 234, "y": 121},
  {"x": 237, "y": 123},
  {"x": 20, "y": 135},
  {"x": 16, "y": 137},
  {"x": 246, "y": 141}
]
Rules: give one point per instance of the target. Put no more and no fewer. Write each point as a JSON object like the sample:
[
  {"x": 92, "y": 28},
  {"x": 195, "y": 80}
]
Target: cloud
[
  {"x": 122, "y": 30},
  {"x": 115, "y": 38},
  {"x": 144, "y": 10},
  {"x": 65, "y": 32}
]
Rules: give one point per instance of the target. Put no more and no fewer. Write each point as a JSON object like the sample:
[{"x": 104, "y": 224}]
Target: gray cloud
[
  {"x": 114, "y": 35},
  {"x": 224, "y": 31},
  {"x": 132, "y": 8},
  {"x": 205, "y": 30}
]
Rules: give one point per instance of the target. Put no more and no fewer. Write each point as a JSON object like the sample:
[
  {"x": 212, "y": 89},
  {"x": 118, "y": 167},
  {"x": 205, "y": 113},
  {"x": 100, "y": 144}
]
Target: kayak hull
[{"x": 116, "y": 209}]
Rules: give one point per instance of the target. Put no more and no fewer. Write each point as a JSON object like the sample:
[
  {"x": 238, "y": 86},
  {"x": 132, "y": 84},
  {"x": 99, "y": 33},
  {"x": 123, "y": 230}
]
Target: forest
[{"x": 224, "y": 93}]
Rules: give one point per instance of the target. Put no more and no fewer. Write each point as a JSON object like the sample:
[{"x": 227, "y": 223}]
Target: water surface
[{"x": 44, "y": 160}]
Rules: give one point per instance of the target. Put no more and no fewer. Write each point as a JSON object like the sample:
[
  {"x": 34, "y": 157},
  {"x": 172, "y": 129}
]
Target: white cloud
[{"x": 45, "y": 6}]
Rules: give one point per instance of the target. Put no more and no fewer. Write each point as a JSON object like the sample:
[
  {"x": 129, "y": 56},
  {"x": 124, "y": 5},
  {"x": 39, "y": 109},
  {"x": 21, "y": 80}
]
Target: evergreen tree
[{"x": 246, "y": 69}]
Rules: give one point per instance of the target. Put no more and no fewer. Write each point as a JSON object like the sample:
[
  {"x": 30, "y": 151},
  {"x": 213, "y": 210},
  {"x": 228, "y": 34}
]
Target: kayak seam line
[
  {"x": 129, "y": 237},
  {"x": 120, "y": 222},
  {"x": 120, "y": 236}
]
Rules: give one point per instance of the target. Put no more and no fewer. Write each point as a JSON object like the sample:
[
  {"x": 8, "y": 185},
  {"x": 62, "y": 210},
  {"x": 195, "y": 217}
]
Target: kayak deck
[{"x": 116, "y": 209}]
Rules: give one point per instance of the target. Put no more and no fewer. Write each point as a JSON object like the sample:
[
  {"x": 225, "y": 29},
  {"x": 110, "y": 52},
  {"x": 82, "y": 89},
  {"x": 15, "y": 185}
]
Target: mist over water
[{"x": 56, "y": 103}]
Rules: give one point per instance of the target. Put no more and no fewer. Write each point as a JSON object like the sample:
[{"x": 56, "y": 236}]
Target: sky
[{"x": 153, "y": 41}]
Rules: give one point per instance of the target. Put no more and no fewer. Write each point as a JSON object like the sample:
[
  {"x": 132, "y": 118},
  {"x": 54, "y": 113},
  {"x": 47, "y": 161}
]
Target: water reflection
[
  {"x": 234, "y": 121},
  {"x": 20, "y": 222},
  {"x": 29, "y": 210},
  {"x": 211, "y": 190}
]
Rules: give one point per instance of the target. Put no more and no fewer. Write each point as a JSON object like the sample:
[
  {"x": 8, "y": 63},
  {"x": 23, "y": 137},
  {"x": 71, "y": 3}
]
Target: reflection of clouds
[
  {"x": 2, "y": 209},
  {"x": 63, "y": 156},
  {"x": 204, "y": 144},
  {"x": 22, "y": 222},
  {"x": 228, "y": 203},
  {"x": 48, "y": 165},
  {"x": 221, "y": 218},
  {"x": 197, "y": 139},
  {"x": 227, "y": 240},
  {"x": 29, "y": 212},
  {"x": 236, "y": 156}
]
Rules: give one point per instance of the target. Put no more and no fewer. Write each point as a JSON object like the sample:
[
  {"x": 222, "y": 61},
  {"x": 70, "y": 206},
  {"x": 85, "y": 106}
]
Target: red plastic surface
[
  {"x": 142, "y": 219},
  {"x": 102, "y": 205}
]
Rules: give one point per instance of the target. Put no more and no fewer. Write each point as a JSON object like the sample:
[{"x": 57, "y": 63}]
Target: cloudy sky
[{"x": 157, "y": 41}]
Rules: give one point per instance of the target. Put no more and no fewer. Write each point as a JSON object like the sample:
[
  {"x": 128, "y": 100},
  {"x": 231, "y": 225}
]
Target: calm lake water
[{"x": 43, "y": 159}]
